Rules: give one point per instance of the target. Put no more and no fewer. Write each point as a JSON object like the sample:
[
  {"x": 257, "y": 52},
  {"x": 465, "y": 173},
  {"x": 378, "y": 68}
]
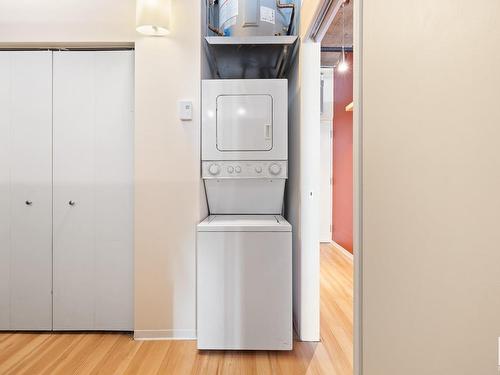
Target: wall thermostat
[{"x": 185, "y": 110}]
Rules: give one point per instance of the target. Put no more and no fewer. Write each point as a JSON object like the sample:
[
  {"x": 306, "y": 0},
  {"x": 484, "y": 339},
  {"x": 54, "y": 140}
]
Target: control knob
[
  {"x": 213, "y": 169},
  {"x": 275, "y": 169},
  {"x": 258, "y": 169},
  {"x": 230, "y": 169}
]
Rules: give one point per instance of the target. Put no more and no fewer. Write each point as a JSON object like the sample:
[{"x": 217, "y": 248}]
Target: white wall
[
  {"x": 68, "y": 21},
  {"x": 167, "y": 195},
  {"x": 309, "y": 10},
  {"x": 431, "y": 171},
  {"x": 167, "y": 177}
]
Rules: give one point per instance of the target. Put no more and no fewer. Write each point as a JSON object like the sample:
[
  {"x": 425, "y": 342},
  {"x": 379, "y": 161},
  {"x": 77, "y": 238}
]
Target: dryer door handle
[{"x": 267, "y": 131}]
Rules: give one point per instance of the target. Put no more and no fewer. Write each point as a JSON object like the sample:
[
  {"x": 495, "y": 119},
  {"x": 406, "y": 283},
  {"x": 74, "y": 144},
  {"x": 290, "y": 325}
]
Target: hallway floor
[{"x": 108, "y": 353}]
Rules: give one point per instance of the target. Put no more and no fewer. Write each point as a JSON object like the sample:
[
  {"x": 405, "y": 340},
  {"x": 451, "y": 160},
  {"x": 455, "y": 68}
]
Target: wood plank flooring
[{"x": 108, "y": 353}]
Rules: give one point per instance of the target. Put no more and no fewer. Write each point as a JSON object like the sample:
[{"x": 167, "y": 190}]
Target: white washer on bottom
[{"x": 244, "y": 296}]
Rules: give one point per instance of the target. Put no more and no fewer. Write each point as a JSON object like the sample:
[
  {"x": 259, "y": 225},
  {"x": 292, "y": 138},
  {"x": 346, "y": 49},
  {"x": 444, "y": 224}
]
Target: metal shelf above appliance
[{"x": 250, "y": 56}]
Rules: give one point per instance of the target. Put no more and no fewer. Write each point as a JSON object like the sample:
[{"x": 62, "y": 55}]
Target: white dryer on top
[
  {"x": 244, "y": 145},
  {"x": 245, "y": 119}
]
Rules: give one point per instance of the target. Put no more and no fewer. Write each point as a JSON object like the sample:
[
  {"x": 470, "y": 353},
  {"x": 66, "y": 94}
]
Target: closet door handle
[
  {"x": 72, "y": 203},
  {"x": 28, "y": 203}
]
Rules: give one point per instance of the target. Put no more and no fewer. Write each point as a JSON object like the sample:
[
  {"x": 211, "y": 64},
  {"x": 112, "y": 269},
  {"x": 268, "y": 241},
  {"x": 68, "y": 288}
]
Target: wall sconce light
[{"x": 153, "y": 17}]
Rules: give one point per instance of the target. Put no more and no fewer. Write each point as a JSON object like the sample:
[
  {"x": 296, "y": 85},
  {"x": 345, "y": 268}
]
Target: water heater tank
[{"x": 255, "y": 17}]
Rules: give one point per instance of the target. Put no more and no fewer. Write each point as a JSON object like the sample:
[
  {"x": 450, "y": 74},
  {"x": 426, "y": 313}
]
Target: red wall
[{"x": 342, "y": 159}]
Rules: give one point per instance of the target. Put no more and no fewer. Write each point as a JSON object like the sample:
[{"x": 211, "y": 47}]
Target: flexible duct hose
[{"x": 281, "y": 5}]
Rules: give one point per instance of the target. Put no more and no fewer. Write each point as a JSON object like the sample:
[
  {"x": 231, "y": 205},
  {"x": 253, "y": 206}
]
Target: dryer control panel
[{"x": 244, "y": 169}]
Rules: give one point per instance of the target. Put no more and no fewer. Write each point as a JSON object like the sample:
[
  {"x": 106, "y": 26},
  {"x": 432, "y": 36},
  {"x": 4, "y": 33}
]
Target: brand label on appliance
[
  {"x": 267, "y": 15},
  {"x": 228, "y": 11}
]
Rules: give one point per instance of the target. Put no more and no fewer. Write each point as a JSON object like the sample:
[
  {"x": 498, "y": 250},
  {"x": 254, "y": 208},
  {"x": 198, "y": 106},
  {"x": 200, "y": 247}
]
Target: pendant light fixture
[
  {"x": 343, "y": 66},
  {"x": 152, "y": 17}
]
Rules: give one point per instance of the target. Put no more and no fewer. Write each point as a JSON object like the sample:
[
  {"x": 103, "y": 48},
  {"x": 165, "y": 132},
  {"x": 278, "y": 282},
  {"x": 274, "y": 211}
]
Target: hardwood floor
[{"x": 107, "y": 353}]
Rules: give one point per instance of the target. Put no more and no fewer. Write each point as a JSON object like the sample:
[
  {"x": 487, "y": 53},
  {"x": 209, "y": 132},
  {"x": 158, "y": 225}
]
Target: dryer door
[
  {"x": 244, "y": 119},
  {"x": 244, "y": 123}
]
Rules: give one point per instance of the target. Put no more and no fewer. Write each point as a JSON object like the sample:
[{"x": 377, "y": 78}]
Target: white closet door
[
  {"x": 93, "y": 190},
  {"x": 25, "y": 190}
]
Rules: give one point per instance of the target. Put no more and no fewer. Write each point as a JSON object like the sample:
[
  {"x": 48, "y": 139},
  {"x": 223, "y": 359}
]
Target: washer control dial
[
  {"x": 275, "y": 169},
  {"x": 213, "y": 169},
  {"x": 237, "y": 169},
  {"x": 258, "y": 169},
  {"x": 230, "y": 169}
]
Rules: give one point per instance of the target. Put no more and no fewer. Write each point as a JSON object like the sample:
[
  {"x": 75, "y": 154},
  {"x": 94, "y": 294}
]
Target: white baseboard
[
  {"x": 342, "y": 250},
  {"x": 165, "y": 334}
]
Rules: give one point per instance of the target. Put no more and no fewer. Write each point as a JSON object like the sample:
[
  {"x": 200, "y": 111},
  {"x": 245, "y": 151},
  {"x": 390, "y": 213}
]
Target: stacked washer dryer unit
[{"x": 245, "y": 245}]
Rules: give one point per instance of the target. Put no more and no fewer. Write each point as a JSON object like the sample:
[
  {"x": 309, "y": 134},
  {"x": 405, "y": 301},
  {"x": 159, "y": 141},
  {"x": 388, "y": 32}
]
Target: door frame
[
  {"x": 330, "y": 185},
  {"x": 316, "y": 30},
  {"x": 330, "y": 140},
  {"x": 358, "y": 184}
]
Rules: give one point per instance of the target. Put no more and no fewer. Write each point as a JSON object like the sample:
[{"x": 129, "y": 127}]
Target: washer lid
[{"x": 244, "y": 223}]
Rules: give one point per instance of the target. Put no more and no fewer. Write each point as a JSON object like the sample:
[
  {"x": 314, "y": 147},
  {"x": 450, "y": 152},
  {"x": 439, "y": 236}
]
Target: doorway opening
[
  {"x": 337, "y": 131},
  {"x": 334, "y": 31}
]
